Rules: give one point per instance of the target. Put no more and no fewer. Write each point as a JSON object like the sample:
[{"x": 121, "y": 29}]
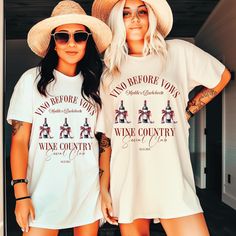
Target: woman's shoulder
[
  {"x": 179, "y": 45},
  {"x": 30, "y": 75},
  {"x": 28, "y": 78}
]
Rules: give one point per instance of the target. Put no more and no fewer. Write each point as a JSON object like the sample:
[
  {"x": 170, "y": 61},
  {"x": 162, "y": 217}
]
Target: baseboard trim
[{"x": 229, "y": 200}]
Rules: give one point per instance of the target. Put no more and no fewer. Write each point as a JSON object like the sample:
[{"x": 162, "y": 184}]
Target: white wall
[
  {"x": 1, "y": 118},
  {"x": 218, "y": 37}
]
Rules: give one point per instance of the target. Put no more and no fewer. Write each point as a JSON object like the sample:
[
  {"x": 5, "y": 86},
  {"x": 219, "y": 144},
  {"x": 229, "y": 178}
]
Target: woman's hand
[
  {"x": 23, "y": 210},
  {"x": 107, "y": 208}
]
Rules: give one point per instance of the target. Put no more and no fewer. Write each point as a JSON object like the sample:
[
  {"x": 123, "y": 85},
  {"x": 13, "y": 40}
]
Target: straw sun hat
[
  {"x": 102, "y": 8},
  {"x": 67, "y": 12}
]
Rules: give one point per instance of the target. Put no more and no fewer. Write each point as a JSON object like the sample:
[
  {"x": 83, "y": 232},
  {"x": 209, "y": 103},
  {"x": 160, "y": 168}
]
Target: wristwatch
[{"x": 17, "y": 181}]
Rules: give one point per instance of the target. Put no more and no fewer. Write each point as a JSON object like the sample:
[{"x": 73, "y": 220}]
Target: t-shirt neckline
[
  {"x": 59, "y": 75},
  {"x": 142, "y": 58}
]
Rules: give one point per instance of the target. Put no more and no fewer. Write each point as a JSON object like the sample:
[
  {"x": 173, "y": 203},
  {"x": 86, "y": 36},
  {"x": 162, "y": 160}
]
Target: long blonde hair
[{"x": 117, "y": 52}]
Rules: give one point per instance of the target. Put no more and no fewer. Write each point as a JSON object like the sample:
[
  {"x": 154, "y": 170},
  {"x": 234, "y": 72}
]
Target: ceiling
[{"x": 20, "y": 15}]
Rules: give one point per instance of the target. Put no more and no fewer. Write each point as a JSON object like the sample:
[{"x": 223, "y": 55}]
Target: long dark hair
[{"x": 90, "y": 66}]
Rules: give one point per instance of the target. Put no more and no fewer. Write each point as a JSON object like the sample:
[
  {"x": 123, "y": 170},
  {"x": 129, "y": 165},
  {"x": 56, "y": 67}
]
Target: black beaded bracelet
[
  {"x": 21, "y": 198},
  {"x": 189, "y": 113},
  {"x": 18, "y": 181}
]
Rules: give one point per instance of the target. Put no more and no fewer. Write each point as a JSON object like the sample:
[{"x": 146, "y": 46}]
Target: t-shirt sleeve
[
  {"x": 20, "y": 107},
  {"x": 202, "y": 68},
  {"x": 105, "y": 116}
]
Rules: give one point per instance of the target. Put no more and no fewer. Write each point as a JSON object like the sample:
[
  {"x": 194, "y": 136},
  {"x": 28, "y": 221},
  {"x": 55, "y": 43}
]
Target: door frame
[
  {"x": 1, "y": 117},
  {"x": 198, "y": 147}
]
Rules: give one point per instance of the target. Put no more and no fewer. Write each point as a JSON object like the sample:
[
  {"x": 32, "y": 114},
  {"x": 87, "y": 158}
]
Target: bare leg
[
  {"x": 87, "y": 230},
  {"x": 139, "y": 227},
  {"x": 41, "y": 232},
  {"x": 194, "y": 225}
]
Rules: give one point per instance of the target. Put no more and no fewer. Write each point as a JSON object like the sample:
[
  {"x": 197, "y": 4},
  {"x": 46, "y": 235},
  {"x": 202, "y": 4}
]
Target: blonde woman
[{"x": 145, "y": 161}]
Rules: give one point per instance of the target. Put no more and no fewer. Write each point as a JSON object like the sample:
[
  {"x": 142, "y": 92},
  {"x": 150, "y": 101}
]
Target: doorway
[{"x": 214, "y": 146}]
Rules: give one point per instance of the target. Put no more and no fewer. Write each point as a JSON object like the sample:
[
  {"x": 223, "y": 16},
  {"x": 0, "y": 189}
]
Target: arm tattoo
[
  {"x": 101, "y": 172},
  {"x": 104, "y": 143},
  {"x": 16, "y": 126},
  {"x": 198, "y": 103}
]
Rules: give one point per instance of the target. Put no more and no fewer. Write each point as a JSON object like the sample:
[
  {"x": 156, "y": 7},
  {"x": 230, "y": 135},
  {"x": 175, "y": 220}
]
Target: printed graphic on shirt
[
  {"x": 65, "y": 130},
  {"x": 144, "y": 114},
  {"x": 66, "y": 141},
  {"x": 50, "y": 104},
  {"x": 85, "y": 130},
  {"x": 45, "y": 130},
  {"x": 162, "y": 86},
  {"x": 121, "y": 114},
  {"x": 168, "y": 114},
  {"x": 156, "y": 125}
]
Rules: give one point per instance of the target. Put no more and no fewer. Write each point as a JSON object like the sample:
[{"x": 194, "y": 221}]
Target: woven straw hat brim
[
  {"x": 39, "y": 35},
  {"x": 102, "y": 8}
]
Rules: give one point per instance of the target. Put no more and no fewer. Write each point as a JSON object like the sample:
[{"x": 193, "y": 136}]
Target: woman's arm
[
  {"x": 104, "y": 163},
  {"x": 206, "y": 95},
  {"x": 19, "y": 155},
  {"x": 19, "y": 161},
  {"x": 104, "y": 171}
]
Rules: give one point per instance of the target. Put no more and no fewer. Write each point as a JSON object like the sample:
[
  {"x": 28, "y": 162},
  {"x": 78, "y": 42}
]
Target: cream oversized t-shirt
[
  {"x": 63, "y": 169},
  {"x": 144, "y": 115}
]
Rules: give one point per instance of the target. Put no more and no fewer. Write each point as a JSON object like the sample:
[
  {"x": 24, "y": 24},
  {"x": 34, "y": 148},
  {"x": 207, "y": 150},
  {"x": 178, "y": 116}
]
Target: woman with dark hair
[{"x": 53, "y": 113}]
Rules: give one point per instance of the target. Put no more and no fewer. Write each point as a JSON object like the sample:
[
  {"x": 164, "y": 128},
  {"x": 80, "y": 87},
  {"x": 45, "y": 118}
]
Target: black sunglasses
[{"x": 63, "y": 37}]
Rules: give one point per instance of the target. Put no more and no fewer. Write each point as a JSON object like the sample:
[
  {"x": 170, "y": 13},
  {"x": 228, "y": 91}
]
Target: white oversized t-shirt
[
  {"x": 144, "y": 115},
  {"x": 63, "y": 169}
]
